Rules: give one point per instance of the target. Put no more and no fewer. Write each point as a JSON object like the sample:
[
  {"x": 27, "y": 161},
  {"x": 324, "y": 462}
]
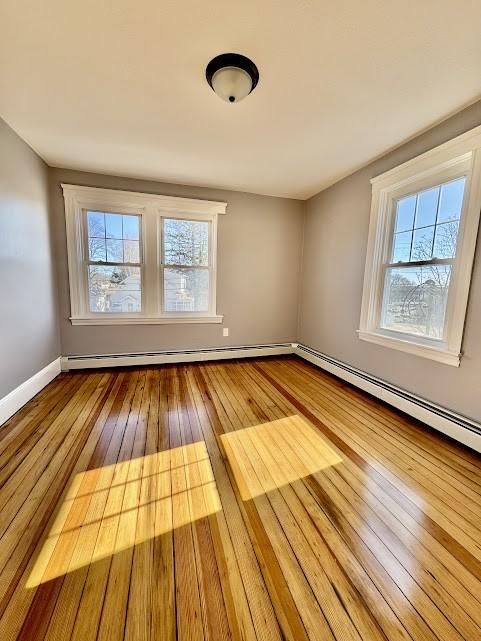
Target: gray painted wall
[
  {"x": 28, "y": 319},
  {"x": 259, "y": 246},
  {"x": 335, "y": 242}
]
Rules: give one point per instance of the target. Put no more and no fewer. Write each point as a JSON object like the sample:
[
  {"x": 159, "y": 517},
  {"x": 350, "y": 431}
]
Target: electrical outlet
[{"x": 225, "y": 331}]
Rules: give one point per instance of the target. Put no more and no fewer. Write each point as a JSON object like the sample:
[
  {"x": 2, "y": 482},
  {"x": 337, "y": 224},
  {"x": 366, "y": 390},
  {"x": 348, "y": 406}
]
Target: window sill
[
  {"x": 144, "y": 320},
  {"x": 410, "y": 347}
]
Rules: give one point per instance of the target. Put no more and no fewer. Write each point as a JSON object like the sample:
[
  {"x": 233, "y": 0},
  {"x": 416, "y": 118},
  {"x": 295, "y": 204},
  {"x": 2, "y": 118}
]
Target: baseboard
[
  {"x": 178, "y": 356},
  {"x": 454, "y": 425},
  {"x": 13, "y": 401}
]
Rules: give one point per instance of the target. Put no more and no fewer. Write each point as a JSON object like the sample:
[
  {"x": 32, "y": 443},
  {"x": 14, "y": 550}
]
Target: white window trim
[
  {"x": 457, "y": 157},
  {"x": 152, "y": 208}
]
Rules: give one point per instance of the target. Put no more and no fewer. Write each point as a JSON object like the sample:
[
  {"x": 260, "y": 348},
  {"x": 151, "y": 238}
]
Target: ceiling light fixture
[{"x": 232, "y": 76}]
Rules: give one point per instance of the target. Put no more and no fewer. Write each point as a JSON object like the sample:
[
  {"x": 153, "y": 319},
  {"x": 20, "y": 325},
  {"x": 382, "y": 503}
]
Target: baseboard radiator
[
  {"x": 175, "y": 356},
  {"x": 454, "y": 425}
]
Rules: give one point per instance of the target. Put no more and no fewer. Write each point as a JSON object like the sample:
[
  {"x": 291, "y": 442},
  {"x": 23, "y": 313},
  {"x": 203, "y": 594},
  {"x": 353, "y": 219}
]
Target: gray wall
[
  {"x": 336, "y": 231},
  {"x": 259, "y": 245},
  {"x": 28, "y": 319}
]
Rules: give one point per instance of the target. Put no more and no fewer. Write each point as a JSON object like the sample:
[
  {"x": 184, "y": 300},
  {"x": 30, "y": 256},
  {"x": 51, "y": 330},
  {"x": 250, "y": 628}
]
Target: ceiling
[{"x": 118, "y": 86}]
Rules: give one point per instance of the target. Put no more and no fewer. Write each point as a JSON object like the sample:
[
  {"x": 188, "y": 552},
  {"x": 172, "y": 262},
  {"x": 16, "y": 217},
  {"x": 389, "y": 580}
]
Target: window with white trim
[
  {"x": 424, "y": 220},
  {"x": 140, "y": 258}
]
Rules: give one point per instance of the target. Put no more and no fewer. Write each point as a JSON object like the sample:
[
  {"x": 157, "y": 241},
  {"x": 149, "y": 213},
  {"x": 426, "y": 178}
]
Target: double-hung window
[
  {"x": 114, "y": 278},
  {"x": 423, "y": 252},
  {"x": 140, "y": 258},
  {"x": 424, "y": 221},
  {"x": 186, "y": 265}
]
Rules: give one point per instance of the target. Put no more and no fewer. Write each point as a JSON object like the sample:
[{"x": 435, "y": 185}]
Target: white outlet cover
[{"x": 225, "y": 331}]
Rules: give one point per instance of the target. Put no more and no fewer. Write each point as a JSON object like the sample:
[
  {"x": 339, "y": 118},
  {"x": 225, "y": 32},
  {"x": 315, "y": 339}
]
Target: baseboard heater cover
[
  {"x": 456, "y": 426},
  {"x": 174, "y": 356}
]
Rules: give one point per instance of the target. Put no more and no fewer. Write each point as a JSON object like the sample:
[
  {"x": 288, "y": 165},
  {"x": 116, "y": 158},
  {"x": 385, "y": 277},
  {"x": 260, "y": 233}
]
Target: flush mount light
[{"x": 232, "y": 76}]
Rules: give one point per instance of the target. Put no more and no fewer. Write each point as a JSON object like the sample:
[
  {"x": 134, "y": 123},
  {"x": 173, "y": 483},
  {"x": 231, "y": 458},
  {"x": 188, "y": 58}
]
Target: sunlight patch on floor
[
  {"x": 274, "y": 454},
  {"x": 110, "y": 509}
]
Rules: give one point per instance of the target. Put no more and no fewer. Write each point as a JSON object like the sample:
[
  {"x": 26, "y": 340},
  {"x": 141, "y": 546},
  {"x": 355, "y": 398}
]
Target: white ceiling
[{"x": 118, "y": 86}]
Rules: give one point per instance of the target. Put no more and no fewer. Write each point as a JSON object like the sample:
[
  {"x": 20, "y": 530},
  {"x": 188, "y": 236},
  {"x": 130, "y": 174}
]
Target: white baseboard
[
  {"x": 13, "y": 401},
  {"x": 179, "y": 356},
  {"x": 458, "y": 427}
]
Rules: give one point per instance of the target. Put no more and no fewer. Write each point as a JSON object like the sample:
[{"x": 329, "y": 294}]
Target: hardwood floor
[{"x": 258, "y": 499}]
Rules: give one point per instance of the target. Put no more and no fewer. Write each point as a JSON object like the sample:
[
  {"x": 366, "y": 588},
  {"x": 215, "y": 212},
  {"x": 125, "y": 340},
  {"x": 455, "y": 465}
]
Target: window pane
[
  {"x": 427, "y": 207},
  {"x": 96, "y": 235},
  {"x": 186, "y": 242},
  {"x": 130, "y": 227},
  {"x": 446, "y": 240},
  {"x": 186, "y": 290},
  {"x": 405, "y": 213},
  {"x": 96, "y": 224},
  {"x": 113, "y": 226},
  {"x": 114, "y": 289},
  {"x": 415, "y": 299},
  {"x": 131, "y": 251},
  {"x": 115, "y": 252},
  {"x": 423, "y": 244},
  {"x": 451, "y": 200},
  {"x": 97, "y": 249},
  {"x": 402, "y": 247}
]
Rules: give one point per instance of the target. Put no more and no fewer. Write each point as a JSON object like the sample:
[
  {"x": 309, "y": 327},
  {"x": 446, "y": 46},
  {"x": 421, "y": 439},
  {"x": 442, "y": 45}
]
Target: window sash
[
  {"x": 383, "y": 327},
  {"x": 383, "y": 293},
  {"x": 128, "y": 291},
  {"x": 118, "y": 211},
  {"x": 190, "y": 219},
  {"x": 86, "y": 236}
]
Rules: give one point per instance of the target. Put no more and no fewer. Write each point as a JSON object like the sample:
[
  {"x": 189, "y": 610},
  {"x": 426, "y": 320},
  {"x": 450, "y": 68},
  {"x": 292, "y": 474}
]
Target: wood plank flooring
[{"x": 235, "y": 501}]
